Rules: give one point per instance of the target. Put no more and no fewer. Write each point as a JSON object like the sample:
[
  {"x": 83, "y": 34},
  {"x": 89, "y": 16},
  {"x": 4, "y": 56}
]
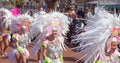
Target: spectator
[
  {"x": 1, "y": 5},
  {"x": 81, "y": 13},
  {"x": 44, "y": 6},
  {"x": 72, "y": 14},
  {"x": 25, "y": 4},
  {"x": 88, "y": 14},
  {"x": 30, "y": 4}
]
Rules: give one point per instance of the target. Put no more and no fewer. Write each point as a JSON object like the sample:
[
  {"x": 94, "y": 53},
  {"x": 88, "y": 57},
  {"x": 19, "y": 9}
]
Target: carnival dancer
[
  {"x": 20, "y": 27},
  {"x": 54, "y": 40},
  {"x": 4, "y": 32},
  {"x": 52, "y": 48},
  {"x": 99, "y": 44},
  {"x": 112, "y": 56},
  {"x": 52, "y": 27}
]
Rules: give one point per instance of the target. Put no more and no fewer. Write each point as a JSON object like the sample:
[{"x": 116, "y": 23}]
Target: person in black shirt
[{"x": 81, "y": 13}]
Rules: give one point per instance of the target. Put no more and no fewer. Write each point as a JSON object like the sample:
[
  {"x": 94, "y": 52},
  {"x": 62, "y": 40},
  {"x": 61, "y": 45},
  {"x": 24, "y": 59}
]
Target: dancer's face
[
  {"x": 54, "y": 32},
  {"x": 23, "y": 30},
  {"x": 114, "y": 45}
]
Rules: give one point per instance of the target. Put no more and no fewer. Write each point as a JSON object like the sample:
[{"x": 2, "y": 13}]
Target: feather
[{"x": 93, "y": 41}]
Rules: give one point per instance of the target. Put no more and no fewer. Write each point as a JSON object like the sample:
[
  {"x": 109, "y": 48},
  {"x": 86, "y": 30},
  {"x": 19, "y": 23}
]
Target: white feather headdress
[
  {"x": 64, "y": 20},
  {"x": 8, "y": 16},
  {"x": 23, "y": 19},
  {"x": 42, "y": 21},
  {"x": 94, "y": 40}
]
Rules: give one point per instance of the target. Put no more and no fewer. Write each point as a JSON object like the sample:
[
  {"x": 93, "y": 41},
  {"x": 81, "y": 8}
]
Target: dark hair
[
  {"x": 18, "y": 6},
  {"x": 31, "y": 13}
]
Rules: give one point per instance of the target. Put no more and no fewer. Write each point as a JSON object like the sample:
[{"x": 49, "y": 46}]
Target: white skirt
[{"x": 11, "y": 55}]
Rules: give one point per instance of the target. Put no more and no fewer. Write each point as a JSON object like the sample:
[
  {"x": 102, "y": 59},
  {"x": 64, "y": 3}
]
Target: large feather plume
[
  {"x": 43, "y": 20},
  {"x": 94, "y": 40}
]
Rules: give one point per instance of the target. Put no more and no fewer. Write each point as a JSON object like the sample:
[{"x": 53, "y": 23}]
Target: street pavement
[{"x": 69, "y": 56}]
